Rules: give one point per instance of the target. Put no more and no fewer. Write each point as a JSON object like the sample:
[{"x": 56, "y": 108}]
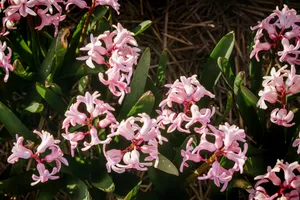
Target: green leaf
[
  {"x": 161, "y": 69},
  {"x": 83, "y": 82},
  {"x": 211, "y": 72},
  {"x": 98, "y": 13},
  {"x": 13, "y": 185},
  {"x": 255, "y": 72},
  {"x": 229, "y": 105},
  {"x": 141, "y": 27},
  {"x": 126, "y": 190},
  {"x": 240, "y": 182},
  {"x": 13, "y": 124},
  {"x": 19, "y": 45},
  {"x": 246, "y": 105},
  {"x": 226, "y": 71},
  {"x": 249, "y": 97},
  {"x": 95, "y": 173},
  {"x": 167, "y": 166},
  {"x": 55, "y": 56},
  {"x": 143, "y": 105},
  {"x": 35, "y": 107},
  {"x": 138, "y": 83},
  {"x": 20, "y": 71},
  {"x": 133, "y": 192},
  {"x": 52, "y": 98},
  {"x": 75, "y": 188},
  {"x": 79, "y": 69}
]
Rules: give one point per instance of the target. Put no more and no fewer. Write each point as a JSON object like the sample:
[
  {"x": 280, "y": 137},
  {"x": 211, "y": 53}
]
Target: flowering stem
[
  {"x": 86, "y": 23},
  {"x": 200, "y": 169}
]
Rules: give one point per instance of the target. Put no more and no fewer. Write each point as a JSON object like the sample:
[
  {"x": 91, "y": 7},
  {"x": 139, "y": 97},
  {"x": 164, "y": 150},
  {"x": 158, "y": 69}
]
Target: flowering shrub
[{"x": 109, "y": 147}]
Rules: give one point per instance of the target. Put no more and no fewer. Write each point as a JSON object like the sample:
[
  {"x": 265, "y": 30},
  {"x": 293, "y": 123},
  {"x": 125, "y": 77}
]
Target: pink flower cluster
[
  {"x": 288, "y": 187},
  {"x": 48, "y": 143},
  {"x": 5, "y": 60},
  {"x": 279, "y": 31},
  {"x": 97, "y": 116},
  {"x": 226, "y": 143},
  {"x": 122, "y": 53},
  {"x": 186, "y": 92},
  {"x": 49, "y": 11},
  {"x": 297, "y": 143},
  {"x": 276, "y": 88},
  {"x": 143, "y": 138}
]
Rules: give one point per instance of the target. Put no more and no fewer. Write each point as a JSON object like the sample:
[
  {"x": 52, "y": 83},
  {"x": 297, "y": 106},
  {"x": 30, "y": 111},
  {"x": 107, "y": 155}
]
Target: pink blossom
[
  {"x": 74, "y": 138},
  {"x": 113, "y": 3},
  {"x": 80, "y": 3},
  {"x": 21, "y": 6},
  {"x": 44, "y": 174},
  {"x": 281, "y": 117},
  {"x": 280, "y": 32},
  {"x": 5, "y": 60},
  {"x": 268, "y": 94},
  {"x": 286, "y": 187},
  {"x": 219, "y": 175},
  {"x": 297, "y": 143},
  {"x": 57, "y": 156},
  {"x": 47, "y": 141},
  {"x": 19, "y": 151},
  {"x": 48, "y": 19},
  {"x": 144, "y": 136},
  {"x": 96, "y": 109},
  {"x": 225, "y": 141}
]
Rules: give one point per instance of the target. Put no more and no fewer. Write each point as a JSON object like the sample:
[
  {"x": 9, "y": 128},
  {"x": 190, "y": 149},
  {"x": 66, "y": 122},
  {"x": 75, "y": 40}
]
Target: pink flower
[
  {"x": 286, "y": 187},
  {"x": 224, "y": 141},
  {"x": 57, "y": 156},
  {"x": 44, "y": 174},
  {"x": 21, "y": 6},
  {"x": 219, "y": 175},
  {"x": 297, "y": 143},
  {"x": 144, "y": 136},
  {"x": 5, "y": 60},
  {"x": 94, "y": 140},
  {"x": 47, "y": 141},
  {"x": 281, "y": 117},
  {"x": 19, "y": 151},
  {"x": 113, "y": 3},
  {"x": 73, "y": 139},
  {"x": 80, "y": 3},
  {"x": 268, "y": 94}
]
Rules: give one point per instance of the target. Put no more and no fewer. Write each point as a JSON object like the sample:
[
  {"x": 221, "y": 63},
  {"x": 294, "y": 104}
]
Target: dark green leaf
[
  {"x": 226, "y": 71},
  {"x": 167, "y": 166},
  {"x": 133, "y": 192},
  {"x": 250, "y": 98},
  {"x": 79, "y": 69},
  {"x": 20, "y": 71},
  {"x": 19, "y": 45},
  {"x": 255, "y": 72},
  {"x": 161, "y": 69},
  {"x": 55, "y": 56},
  {"x": 75, "y": 188},
  {"x": 35, "y": 107},
  {"x": 143, "y": 105},
  {"x": 211, "y": 71},
  {"x": 98, "y": 13},
  {"x": 13, "y": 185},
  {"x": 142, "y": 27},
  {"x": 229, "y": 105},
  {"x": 52, "y": 98},
  {"x": 13, "y": 124},
  {"x": 138, "y": 83},
  {"x": 122, "y": 190},
  {"x": 83, "y": 82}
]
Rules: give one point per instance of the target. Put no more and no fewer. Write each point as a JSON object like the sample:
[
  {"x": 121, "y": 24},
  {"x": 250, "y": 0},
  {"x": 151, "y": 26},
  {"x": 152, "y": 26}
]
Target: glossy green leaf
[
  {"x": 143, "y": 105},
  {"x": 161, "y": 69},
  {"x": 35, "y": 107},
  {"x": 226, "y": 70},
  {"x": 55, "y": 55},
  {"x": 20, "y": 71},
  {"x": 98, "y": 13},
  {"x": 52, "y": 98},
  {"x": 167, "y": 166},
  {"x": 141, "y": 27},
  {"x": 13, "y": 124},
  {"x": 133, "y": 192},
  {"x": 83, "y": 82},
  {"x": 75, "y": 188},
  {"x": 19, "y": 45},
  {"x": 250, "y": 98},
  {"x": 138, "y": 83},
  {"x": 211, "y": 71},
  {"x": 95, "y": 173},
  {"x": 13, "y": 185},
  {"x": 247, "y": 108}
]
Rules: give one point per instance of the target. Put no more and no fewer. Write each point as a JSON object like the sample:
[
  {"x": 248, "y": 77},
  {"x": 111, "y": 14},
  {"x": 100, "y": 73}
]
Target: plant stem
[{"x": 86, "y": 24}]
